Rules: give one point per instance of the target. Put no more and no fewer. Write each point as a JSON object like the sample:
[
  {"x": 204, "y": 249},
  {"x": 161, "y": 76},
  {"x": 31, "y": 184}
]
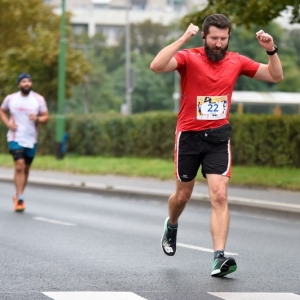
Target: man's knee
[
  {"x": 219, "y": 198},
  {"x": 20, "y": 165},
  {"x": 184, "y": 193}
]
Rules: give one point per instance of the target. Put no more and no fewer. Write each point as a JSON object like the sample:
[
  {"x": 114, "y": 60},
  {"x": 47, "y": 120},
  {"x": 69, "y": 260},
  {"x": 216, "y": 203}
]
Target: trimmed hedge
[
  {"x": 266, "y": 140},
  {"x": 256, "y": 139}
]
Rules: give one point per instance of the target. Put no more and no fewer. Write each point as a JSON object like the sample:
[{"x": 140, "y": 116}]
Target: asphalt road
[{"x": 71, "y": 241}]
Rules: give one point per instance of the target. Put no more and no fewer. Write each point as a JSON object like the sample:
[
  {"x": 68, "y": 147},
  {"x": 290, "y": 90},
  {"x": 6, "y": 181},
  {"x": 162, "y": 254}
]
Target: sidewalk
[{"x": 287, "y": 202}]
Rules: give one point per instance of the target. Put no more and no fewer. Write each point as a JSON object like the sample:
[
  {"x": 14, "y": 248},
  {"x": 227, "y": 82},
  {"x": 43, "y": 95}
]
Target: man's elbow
[
  {"x": 154, "y": 67},
  {"x": 278, "y": 79}
]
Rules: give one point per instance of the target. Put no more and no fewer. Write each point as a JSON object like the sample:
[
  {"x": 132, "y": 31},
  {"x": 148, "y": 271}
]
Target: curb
[{"x": 259, "y": 206}]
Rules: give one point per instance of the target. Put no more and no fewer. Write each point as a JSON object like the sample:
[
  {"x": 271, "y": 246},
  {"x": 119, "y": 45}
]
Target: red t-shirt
[{"x": 206, "y": 87}]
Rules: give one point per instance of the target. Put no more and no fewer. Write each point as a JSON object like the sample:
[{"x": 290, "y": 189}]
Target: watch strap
[{"x": 273, "y": 51}]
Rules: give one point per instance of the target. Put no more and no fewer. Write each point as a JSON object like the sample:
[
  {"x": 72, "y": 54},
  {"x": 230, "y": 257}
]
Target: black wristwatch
[{"x": 272, "y": 52}]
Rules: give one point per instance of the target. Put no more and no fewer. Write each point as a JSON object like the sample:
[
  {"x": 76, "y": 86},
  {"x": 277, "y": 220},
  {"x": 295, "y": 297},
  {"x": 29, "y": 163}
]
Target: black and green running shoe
[
  {"x": 223, "y": 266},
  {"x": 168, "y": 240}
]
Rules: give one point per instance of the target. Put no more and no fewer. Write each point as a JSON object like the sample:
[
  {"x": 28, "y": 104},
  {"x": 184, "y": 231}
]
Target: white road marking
[
  {"x": 251, "y": 216},
  {"x": 203, "y": 249},
  {"x": 256, "y": 296},
  {"x": 53, "y": 221},
  {"x": 93, "y": 296}
]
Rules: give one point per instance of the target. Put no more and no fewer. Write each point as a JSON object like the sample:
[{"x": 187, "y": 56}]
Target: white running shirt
[{"x": 19, "y": 108}]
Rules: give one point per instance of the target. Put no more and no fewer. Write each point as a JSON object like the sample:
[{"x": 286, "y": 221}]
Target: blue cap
[{"x": 23, "y": 76}]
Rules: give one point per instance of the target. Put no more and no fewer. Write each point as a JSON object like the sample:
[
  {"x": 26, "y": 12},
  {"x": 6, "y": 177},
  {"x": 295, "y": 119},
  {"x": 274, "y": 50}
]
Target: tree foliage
[
  {"x": 148, "y": 37},
  {"x": 30, "y": 35},
  {"x": 96, "y": 94},
  {"x": 240, "y": 12},
  {"x": 151, "y": 91},
  {"x": 106, "y": 90}
]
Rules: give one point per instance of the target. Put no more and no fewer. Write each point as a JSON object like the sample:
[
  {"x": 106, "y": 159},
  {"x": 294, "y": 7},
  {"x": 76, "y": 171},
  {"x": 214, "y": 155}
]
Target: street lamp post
[
  {"x": 60, "y": 120},
  {"x": 128, "y": 61}
]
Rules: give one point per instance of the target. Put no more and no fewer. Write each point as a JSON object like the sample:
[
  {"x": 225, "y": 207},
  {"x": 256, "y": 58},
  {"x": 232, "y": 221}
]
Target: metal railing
[{"x": 274, "y": 98}]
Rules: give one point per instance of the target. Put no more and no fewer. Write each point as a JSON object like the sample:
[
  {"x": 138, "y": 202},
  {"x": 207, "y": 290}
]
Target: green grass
[{"x": 284, "y": 178}]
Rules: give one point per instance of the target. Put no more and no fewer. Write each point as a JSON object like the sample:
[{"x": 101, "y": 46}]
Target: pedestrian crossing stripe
[
  {"x": 93, "y": 296},
  {"x": 132, "y": 296},
  {"x": 256, "y": 296}
]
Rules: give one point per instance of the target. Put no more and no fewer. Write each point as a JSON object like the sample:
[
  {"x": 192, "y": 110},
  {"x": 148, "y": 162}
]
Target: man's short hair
[{"x": 218, "y": 20}]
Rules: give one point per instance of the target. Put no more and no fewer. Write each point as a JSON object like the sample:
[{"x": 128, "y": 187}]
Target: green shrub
[{"x": 257, "y": 140}]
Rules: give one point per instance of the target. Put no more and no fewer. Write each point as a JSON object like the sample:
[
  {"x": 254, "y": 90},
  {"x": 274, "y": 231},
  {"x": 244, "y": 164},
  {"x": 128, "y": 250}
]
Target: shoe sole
[
  {"x": 165, "y": 225},
  {"x": 18, "y": 208},
  {"x": 222, "y": 274},
  {"x": 224, "y": 270}
]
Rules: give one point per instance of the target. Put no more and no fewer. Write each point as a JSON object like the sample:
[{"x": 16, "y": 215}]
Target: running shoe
[
  {"x": 223, "y": 266},
  {"x": 168, "y": 240},
  {"x": 19, "y": 205}
]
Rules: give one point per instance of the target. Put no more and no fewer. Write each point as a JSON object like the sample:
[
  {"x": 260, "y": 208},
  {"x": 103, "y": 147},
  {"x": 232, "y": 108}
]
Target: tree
[
  {"x": 30, "y": 34},
  {"x": 246, "y": 12},
  {"x": 293, "y": 39},
  {"x": 107, "y": 79},
  {"x": 148, "y": 37},
  {"x": 96, "y": 93},
  {"x": 152, "y": 91}
]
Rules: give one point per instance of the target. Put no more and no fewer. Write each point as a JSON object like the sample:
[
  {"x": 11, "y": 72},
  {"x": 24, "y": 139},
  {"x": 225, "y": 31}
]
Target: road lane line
[
  {"x": 203, "y": 249},
  {"x": 53, "y": 221},
  {"x": 93, "y": 296},
  {"x": 256, "y": 296}
]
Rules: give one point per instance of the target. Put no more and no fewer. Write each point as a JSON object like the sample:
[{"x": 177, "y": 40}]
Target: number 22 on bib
[{"x": 211, "y": 107}]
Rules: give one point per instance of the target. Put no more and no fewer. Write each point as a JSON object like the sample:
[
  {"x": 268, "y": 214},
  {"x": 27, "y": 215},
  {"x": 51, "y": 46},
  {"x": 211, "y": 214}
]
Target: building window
[
  {"x": 176, "y": 4},
  {"x": 111, "y": 33},
  {"x": 80, "y": 28},
  {"x": 101, "y": 6}
]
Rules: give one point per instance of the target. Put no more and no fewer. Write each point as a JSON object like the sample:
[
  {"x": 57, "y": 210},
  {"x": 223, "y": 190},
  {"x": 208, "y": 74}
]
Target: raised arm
[
  {"x": 272, "y": 72},
  {"x": 164, "y": 60}
]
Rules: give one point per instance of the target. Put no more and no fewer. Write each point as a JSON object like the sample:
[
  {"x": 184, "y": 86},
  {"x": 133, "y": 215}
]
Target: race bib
[{"x": 211, "y": 107}]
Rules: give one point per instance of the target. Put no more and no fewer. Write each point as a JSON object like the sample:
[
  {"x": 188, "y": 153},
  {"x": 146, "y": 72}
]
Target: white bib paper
[{"x": 211, "y": 107}]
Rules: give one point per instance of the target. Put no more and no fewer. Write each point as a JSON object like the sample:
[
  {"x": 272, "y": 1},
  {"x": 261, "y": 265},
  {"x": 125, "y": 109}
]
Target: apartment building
[{"x": 110, "y": 16}]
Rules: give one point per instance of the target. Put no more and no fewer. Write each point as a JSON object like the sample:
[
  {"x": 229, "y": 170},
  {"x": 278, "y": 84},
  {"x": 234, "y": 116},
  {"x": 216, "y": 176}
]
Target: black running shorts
[
  {"x": 20, "y": 154},
  {"x": 192, "y": 151}
]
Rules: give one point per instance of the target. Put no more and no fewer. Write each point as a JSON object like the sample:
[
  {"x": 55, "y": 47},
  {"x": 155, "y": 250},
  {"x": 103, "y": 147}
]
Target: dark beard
[
  {"x": 25, "y": 90},
  {"x": 215, "y": 57}
]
